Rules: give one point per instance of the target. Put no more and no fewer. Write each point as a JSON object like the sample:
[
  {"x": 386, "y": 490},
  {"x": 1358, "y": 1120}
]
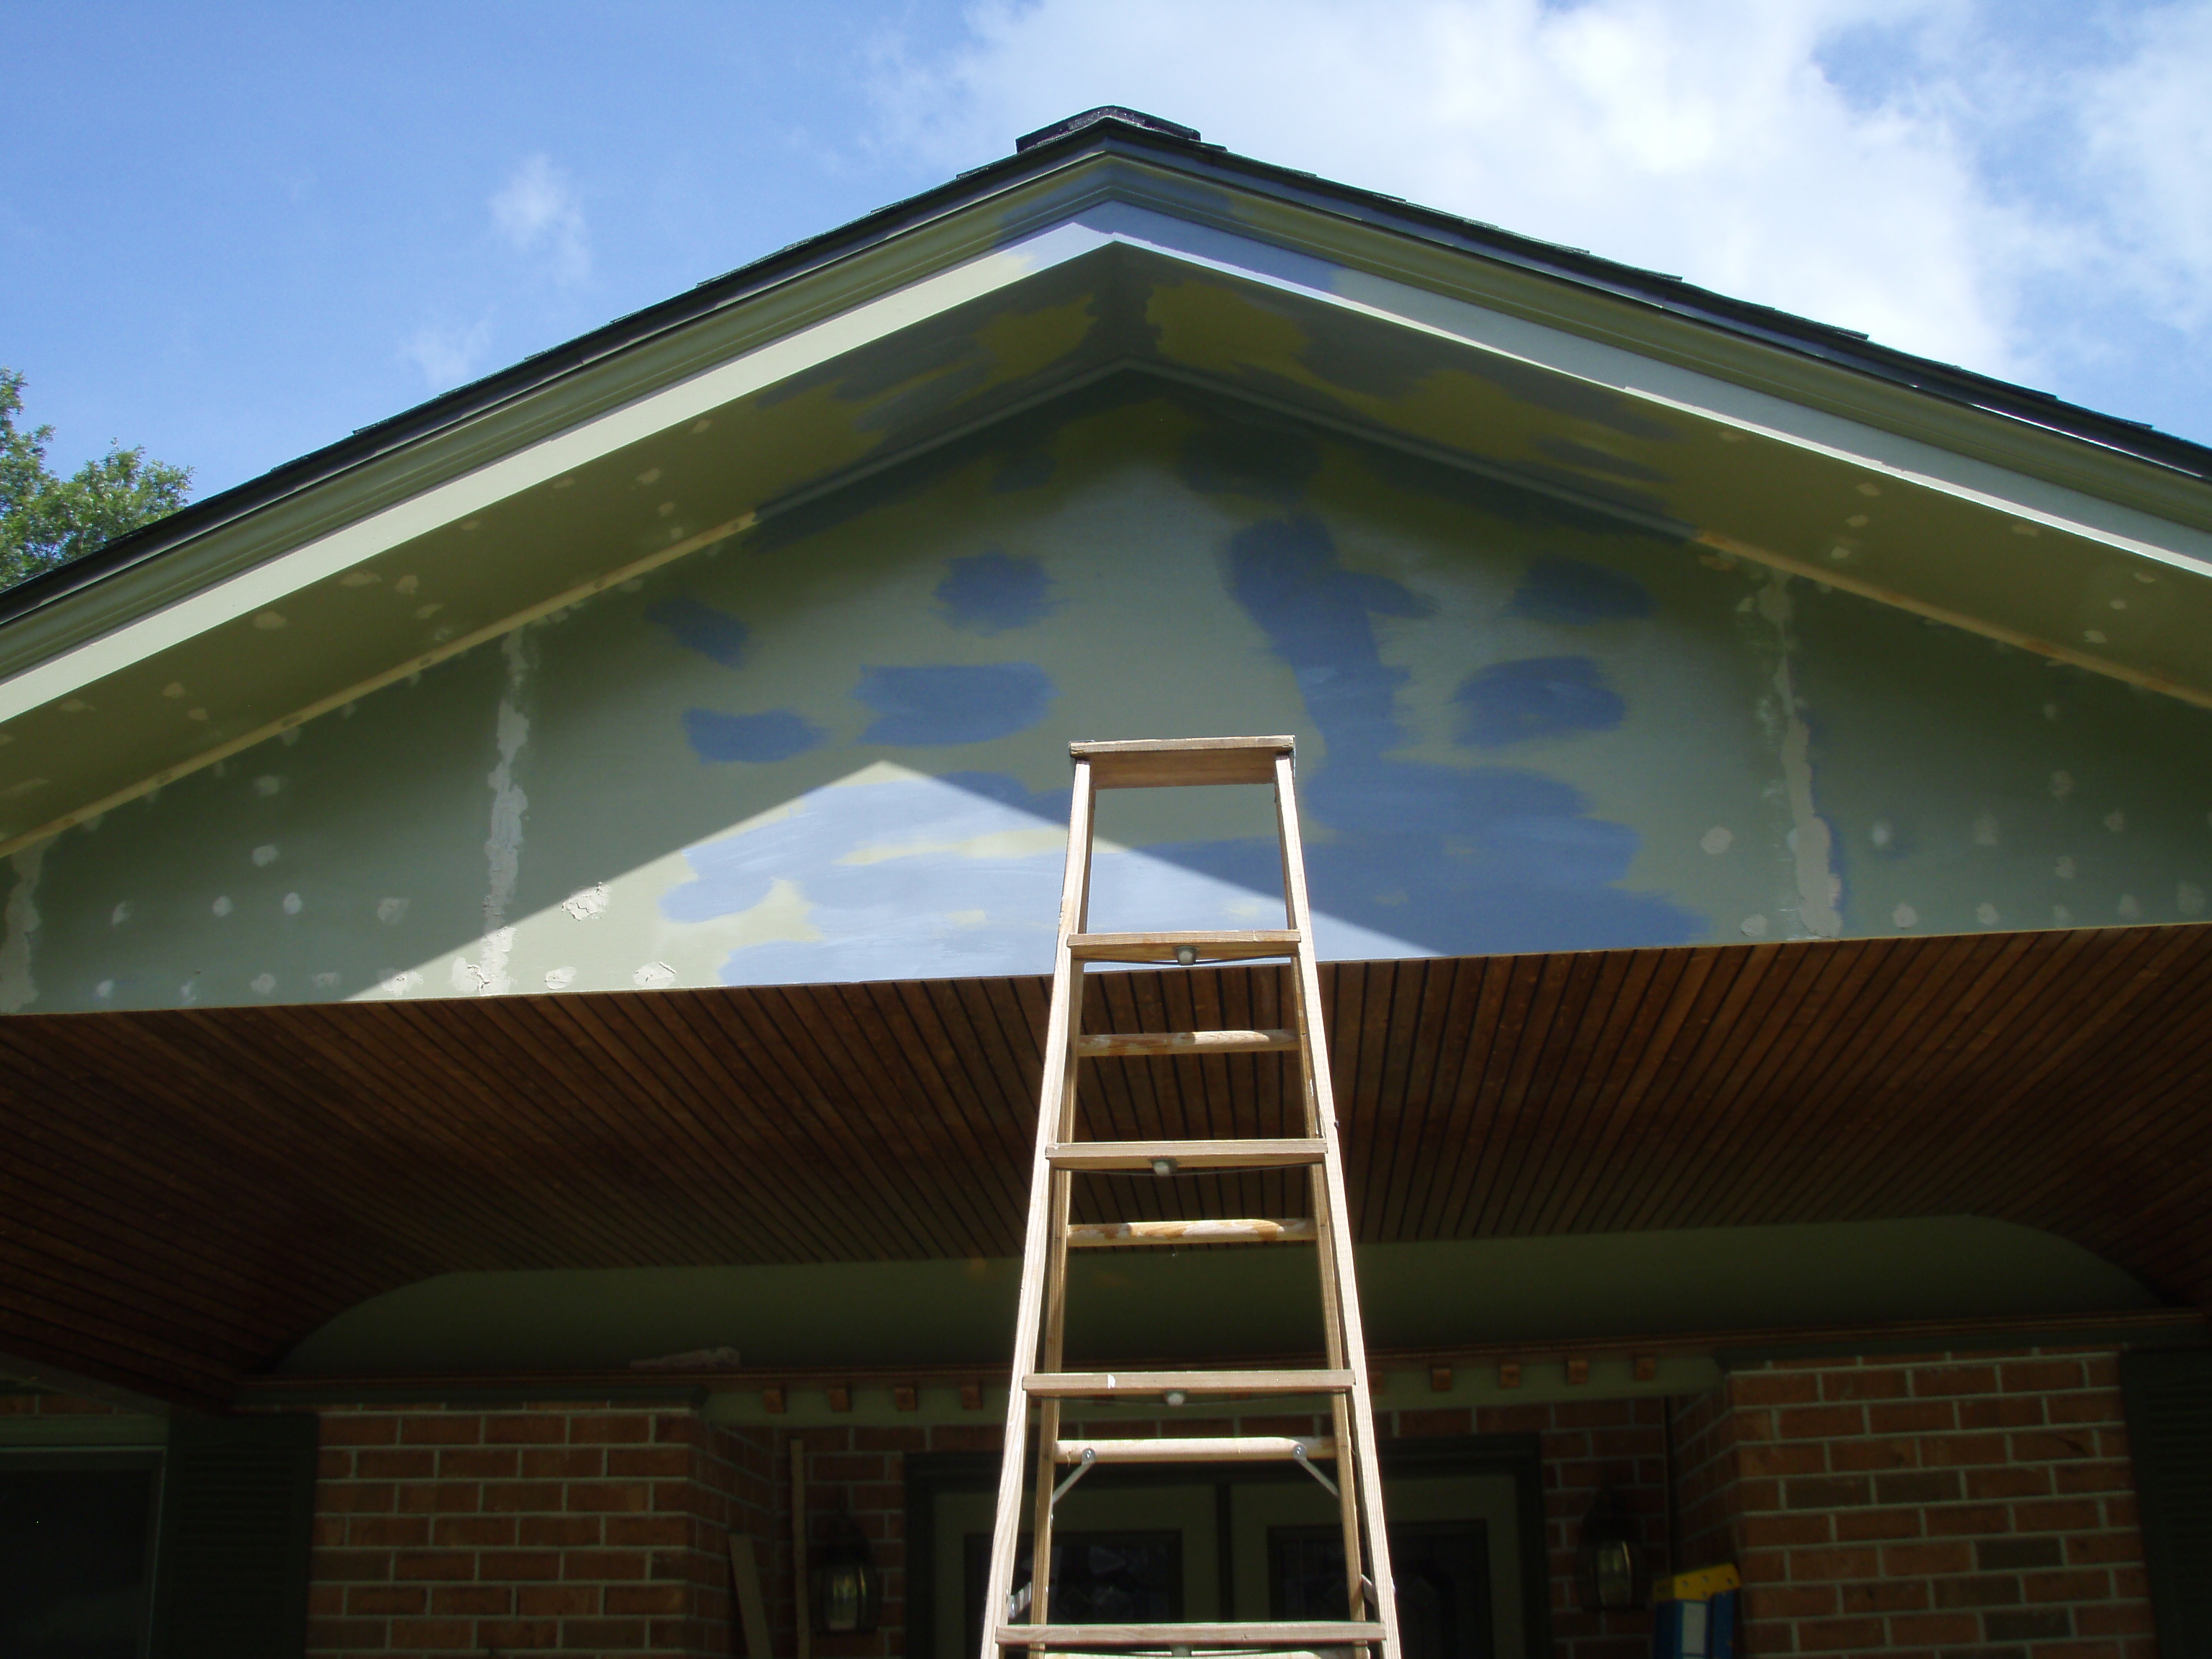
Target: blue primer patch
[
  {"x": 993, "y": 592},
  {"x": 699, "y": 626},
  {"x": 1462, "y": 860},
  {"x": 1569, "y": 591},
  {"x": 1535, "y": 697},
  {"x": 775, "y": 736},
  {"x": 947, "y": 705}
]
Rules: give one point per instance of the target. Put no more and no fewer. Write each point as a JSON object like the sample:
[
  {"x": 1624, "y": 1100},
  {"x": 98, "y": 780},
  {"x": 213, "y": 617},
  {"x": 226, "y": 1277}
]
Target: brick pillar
[
  {"x": 594, "y": 1526},
  {"x": 1936, "y": 1502}
]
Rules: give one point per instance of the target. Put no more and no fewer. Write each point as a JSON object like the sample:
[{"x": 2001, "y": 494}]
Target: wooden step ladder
[{"x": 1016, "y": 1616}]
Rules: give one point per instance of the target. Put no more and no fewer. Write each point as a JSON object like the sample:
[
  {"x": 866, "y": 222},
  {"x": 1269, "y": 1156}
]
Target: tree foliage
[{"x": 45, "y": 519}]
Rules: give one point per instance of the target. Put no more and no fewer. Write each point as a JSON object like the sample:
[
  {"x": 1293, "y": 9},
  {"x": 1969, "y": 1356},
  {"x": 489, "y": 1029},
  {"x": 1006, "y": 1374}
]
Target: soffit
[{"x": 191, "y": 1192}]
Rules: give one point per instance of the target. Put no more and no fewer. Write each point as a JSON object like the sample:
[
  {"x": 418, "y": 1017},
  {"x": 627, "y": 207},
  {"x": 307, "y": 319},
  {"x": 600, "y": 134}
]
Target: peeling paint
[
  {"x": 486, "y": 975},
  {"x": 1818, "y": 888},
  {"x": 18, "y": 990}
]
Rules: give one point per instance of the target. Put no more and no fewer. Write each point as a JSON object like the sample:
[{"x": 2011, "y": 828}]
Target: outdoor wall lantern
[
  {"x": 847, "y": 1589},
  {"x": 1612, "y": 1574}
]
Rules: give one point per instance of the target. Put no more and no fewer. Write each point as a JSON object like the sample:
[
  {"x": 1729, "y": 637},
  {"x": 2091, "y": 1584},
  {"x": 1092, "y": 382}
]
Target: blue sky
[{"x": 236, "y": 233}]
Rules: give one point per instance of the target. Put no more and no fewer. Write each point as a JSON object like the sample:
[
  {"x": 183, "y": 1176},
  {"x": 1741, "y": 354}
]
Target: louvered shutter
[
  {"x": 230, "y": 1571},
  {"x": 2169, "y": 1403}
]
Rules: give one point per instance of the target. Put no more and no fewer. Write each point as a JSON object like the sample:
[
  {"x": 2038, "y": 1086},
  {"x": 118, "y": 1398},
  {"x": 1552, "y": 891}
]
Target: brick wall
[
  {"x": 1940, "y": 1503},
  {"x": 37, "y": 1403},
  {"x": 589, "y": 1526}
]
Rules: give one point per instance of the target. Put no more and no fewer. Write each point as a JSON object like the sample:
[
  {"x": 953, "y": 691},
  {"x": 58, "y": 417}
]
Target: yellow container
[{"x": 1702, "y": 1585}]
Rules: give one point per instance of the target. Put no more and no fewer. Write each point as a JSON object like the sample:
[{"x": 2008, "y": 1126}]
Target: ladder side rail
[
  {"x": 1055, "y": 1271},
  {"x": 1056, "y": 1081},
  {"x": 1363, "y": 1466}
]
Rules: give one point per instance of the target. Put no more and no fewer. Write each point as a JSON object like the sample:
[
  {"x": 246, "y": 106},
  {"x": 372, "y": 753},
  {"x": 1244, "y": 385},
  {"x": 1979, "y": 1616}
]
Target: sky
[{"x": 235, "y": 233}]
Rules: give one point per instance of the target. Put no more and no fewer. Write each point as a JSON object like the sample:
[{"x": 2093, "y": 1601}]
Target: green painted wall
[{"x": 834, "y": 748}]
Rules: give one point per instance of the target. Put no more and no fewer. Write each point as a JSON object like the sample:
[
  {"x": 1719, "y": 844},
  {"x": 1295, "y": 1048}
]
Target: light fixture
[
  {"x": 847, "y": 1590},
  {"x": 1608, "y": 1563}
]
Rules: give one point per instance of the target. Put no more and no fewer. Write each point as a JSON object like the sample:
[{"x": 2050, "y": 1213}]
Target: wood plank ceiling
[{"x": 188, "y": 1192}]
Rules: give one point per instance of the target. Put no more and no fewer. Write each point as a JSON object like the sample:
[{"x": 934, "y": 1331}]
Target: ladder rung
[
  {"x": 1185, "y": 1156},
  {"x": 1192, "y": 1449},
  {"x": 1167, "y": 762},
  {"x": 1128, "y": 1045},
  {"x": 1227, "y": 1653},
  {"x": 1124, "y": 1235},
  {"x": 1064, "y": 1385},
  {"x": 1236, "y": 944},
  {"x": 1281, "y": 1634}
]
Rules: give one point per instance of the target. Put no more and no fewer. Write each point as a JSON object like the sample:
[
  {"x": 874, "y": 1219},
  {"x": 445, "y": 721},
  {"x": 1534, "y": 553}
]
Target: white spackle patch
[
  {"x": 1986, "y": 915},
  {"x": 2116, "y": 821},
  {"x": 1881, "y": 833},
  {"x": 264, "y": 984},
  {"x": 89, "y": 825},
  {"x": 196, "y": 713},
  {"x": 2050, "y": 713},
  {"x": 2062, "y": 783},
  {"x": 650, "y": 475},
  {"x": 222, "y": 906},
  {"x": 2092, "y": 636},
  {"x": 407, "y": 584},
  {"x": 2188, "y": 899},
  {"x": 1000, "y": 844},
  {"x": 2063, "y": 869},
  {"x": 2061, "y": 917},
  {"x": 586, "y": 901},
  {"x": 1754, "y": 926},
  {"x": 1905, "y": 915},
  {"x": 266, "y": 854},
  {"x": 399, "y": 981},
  {"x": 1810, "y": 842},
  {"x": 2129, "y": 910},
  {"x": 120, "y": 915},
  {"x": 289, "y": 738},
  {"x": 1985, "y": 831},
  {"x": 664, "y": 508},
  {"x": 174, "y": 689},
  {"x": 18, "y": 990},
  {"x": 391, "y": 911},
  {"x": 653, "y": 976},
  {"x": 1717, "y": 840},
  {"x": 271, "y": 621},
  {"x": 292, "y": 905},
  {"x": 424, "y": 612},
  {"x": 560, "y": 979},
  {"x": 105, "y": 990},
  {"x": 967, "y": 918},
  {"x": 359, "y": 578},
  {"x": 325, "y": 981},
  {"x": 267, "y": 783},
  {"x": 488, "y": 975}
]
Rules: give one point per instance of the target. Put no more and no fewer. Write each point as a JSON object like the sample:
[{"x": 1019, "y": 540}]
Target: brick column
[{"x": 1928, "y": 1503}]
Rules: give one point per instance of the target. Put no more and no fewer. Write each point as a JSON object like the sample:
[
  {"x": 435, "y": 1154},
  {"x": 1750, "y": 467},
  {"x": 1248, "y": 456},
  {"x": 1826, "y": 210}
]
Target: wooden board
[{"x": 1182, "y": 761}]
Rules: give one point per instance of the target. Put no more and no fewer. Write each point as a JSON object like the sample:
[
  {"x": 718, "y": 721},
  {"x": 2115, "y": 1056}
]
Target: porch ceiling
[{"x": 189, "y": 1192}]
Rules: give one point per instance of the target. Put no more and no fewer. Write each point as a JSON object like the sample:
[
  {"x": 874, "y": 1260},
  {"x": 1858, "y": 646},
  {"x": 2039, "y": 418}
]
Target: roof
[
  {"x": 1117, "y": 246},
  {"x": 1111, "y": 130}
]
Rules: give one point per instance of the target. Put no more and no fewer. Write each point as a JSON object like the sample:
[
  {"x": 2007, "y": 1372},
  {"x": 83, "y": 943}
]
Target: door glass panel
[{"x": 1442, "y": 1569}]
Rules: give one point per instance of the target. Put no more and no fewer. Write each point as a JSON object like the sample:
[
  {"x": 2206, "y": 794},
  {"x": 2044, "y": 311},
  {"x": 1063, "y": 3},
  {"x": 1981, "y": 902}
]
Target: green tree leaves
[{"x": 46, "y": 520}]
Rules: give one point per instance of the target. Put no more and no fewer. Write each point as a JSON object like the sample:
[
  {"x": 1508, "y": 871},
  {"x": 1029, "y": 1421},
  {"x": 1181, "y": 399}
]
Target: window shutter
[
  {"x": 2169, "y": 1404},
  {"x": 230, "y": 1571}
]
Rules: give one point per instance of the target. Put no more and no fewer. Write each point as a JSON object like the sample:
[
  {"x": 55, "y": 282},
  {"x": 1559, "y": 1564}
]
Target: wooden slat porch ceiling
[{"x": 186, "y": 1194}]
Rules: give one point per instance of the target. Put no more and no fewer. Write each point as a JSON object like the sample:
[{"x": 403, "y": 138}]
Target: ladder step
[
  {"x": 1123, "y": 1234},
  {"x": 1235, "y": 945},
  {"x": 1127, "y": 1045},
  {"x": 1066, "y": 1385},
  {"x": 1164, "y": 763},
  {"x": 1303, "y": 1633},
  {"x": 1192, "y": 1449},
  {"x": 1183, "y": 1156}
]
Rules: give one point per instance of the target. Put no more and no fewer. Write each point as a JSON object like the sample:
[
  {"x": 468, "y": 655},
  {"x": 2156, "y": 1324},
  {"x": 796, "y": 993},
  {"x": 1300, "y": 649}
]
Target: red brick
[
  {"x": 451, "y": 1566},
  {"x": 1870, "y": 1453},
  {"x": 442, "y": 1429},
  {"x": 1834, "y": 1635},
  {"x": 557, "y": 1531},
  {"x": 361, "y": 1566},
  {"x": 1454, "y": 1419},
  {"x": 2069, "y": 1479},
  {"x": 2002, "y": 1412},
  {"x": 437, "y": 1497},
  {"x": 1895, "y": 1595},
  {"x": 519, "y": 1564},
  {"x": 523, "y": 1497},
  {"x": 2040, "y": 1376},
  {"x": 1869, "y": 1526},
  {"x": 608, "y": 1497},
  {"x": 1936, "y": 1380},
  {"x": 478, "y": 1601},
  {"x": 645, "y": 1599},
  {"x": 2081, "y": 1584},
  {"x": 344, "y": 1429},
  {"x": 1963, "y": 1451},
  {"x": 603, "y": 1634},
  {"x": 649, "y": 1462},
  {"x": 330, "y": 1635},
  {"x": 646, "y": 1531},
  {"x": 386, "y": 1598},
  {"x": 606, "y": 1564},
  {"x": 556, "y": 1600},
  {"x": 1833, "y": 1564},
  {"x": 1771, "y": 1388},
  {"x": 564, "y": 1462},
  {"x": 356, "y": 1498},
  {"x": 389, "y": 1531},
  {"x": 473, "y": 1531},
  {"x": 419, "y": 1635},
  {"x": 1865, "y": 1382},
  {"x": 914, "y": 1440},
  {"x": 1919, "y": 1560},
  {"x": 1790, "y": 1601},
  {"x": 1934, "y": 1629},
  {"x": 1761, "y": 1530},
  {"x": 1968, "y": 1520},
  {"x": 1820, "y": 1422},
  {"x": 508, "y": 1635},
  {"x": 525, "y": 1428},
  {"x": 2065, "y": 1515},
  {"x": 478, "y": 1463},
  {"x": 2086, "y": 1548},
  {"x": 1780, "y": 1458},
  {"x": 410, "y": 1463},
  {"x": 1987, "y": 1591}
]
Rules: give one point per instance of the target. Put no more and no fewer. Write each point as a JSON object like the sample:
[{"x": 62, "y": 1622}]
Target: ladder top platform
[{"x": 1165, "y": 762}]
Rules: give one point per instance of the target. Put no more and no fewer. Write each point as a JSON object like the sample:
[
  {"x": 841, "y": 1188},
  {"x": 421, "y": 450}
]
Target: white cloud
[
  {"x": 1714, "y": 139},
  {"x": 447, "y": 356},
  {"x": 537, "y": 211}
]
